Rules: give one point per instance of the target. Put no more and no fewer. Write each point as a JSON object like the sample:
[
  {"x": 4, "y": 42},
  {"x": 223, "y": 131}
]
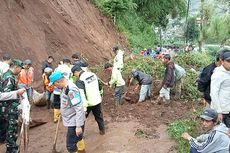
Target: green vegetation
[
  {"x": 149, "y": 66},
  {"x": 191, "y": 62},
  {"x": 137, "y": 18},
  {"x": 218, "y": 30},
  {"x": 190, "y": 124},
  {"x": 192, "y": 31}
]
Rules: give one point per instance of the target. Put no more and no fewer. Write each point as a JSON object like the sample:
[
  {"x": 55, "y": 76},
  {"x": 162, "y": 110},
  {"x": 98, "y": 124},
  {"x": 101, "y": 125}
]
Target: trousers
[
  {"x": 9, "y": 125},
  {"x": 98, "y": 115},
  {"x": 72, "y": 139}
]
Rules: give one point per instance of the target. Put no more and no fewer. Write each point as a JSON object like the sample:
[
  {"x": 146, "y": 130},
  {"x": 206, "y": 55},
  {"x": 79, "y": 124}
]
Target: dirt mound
[{"x": 36, "y": 29}]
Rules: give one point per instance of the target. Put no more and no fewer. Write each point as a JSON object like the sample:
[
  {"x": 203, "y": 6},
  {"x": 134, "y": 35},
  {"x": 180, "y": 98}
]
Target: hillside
[{"x": 37, "y": 28}]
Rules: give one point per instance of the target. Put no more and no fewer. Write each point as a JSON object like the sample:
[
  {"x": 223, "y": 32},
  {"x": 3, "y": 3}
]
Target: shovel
[
  {"x": 56, "y": 134},
  {"x": 102, "y": 81},
  {"x": 125, "y": 95}
]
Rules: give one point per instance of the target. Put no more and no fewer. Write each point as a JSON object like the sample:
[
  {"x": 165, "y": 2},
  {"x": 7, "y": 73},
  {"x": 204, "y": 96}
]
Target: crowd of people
[
  {"x": 159, "y": 52},
  {"x": 73, "y": 91}
]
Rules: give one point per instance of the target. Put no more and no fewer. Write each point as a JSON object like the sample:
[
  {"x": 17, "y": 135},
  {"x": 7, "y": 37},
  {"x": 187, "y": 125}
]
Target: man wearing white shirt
[
  {"x": 220, "y": 90},
  {"x": 118, "y": 61}
]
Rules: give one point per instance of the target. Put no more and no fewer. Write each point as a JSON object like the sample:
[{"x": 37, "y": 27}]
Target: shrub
[
  {"x": 192, "y": 62},
  {"x": 153, "y": 67}
]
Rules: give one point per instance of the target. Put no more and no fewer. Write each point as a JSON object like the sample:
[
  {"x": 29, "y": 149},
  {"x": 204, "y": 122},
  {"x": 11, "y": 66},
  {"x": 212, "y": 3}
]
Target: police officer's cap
[{"x": 76, "y": 68}]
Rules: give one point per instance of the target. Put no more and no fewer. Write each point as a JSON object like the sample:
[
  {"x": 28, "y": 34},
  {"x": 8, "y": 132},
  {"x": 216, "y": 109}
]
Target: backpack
[{"x": 179, "y": 72}]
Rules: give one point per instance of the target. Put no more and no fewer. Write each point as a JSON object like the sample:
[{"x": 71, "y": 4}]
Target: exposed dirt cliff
[{"x": 37, "y": 28}]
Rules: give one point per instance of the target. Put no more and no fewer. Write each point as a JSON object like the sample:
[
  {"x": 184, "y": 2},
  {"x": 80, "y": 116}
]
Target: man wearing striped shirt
[{"x": 215, "y": 140}]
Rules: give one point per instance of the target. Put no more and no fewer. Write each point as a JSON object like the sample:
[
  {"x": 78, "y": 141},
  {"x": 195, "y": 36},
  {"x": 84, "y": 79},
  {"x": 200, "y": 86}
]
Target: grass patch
[{"x": 189, "y": 124}]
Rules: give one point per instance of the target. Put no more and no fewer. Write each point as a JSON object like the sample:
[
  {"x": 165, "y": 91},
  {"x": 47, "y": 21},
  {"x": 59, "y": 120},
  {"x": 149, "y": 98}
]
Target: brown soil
[
  {"x": 36, "y": 29},
  {"x": 131, "y": 128}
]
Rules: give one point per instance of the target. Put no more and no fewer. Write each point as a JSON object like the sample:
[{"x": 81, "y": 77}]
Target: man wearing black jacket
[
  {"x": 47, "y": 63},
  {"x": 205, "y": 76}
]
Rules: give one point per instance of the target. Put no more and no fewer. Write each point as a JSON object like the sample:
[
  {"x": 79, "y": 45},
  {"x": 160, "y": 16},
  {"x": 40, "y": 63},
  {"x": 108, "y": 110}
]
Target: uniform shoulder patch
[{"x": 75, "y": 97}]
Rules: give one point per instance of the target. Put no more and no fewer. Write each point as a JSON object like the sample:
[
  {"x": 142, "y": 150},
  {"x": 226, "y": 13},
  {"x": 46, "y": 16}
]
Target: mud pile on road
[{"x": 148, "y": 113}]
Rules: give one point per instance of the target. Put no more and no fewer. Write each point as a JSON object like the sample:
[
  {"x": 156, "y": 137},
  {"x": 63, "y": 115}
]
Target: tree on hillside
[
  {"x": 192, "y": 30},
  {"x": 115, "y": 7},
  {"x": 156, "y": 11},
  {"x": 219, "y": 30}
]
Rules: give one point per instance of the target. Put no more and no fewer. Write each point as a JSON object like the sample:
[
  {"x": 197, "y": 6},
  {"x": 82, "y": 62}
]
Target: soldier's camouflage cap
[{"x": 17, "y": 62}]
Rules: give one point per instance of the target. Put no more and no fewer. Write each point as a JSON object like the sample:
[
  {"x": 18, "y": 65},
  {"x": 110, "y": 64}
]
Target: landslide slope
[{"x": 37, "y": 28}]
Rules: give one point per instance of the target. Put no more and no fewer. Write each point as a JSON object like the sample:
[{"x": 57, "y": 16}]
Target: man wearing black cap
[
  {"x": 214, "y": 140},
  {"x": 47, "y": 63},
  {"x": 89, "y": 88},
  {"x": 79, "y": 61},
  {"x": 145, "y": 81},
  {"x": 168, "y": 81},
  {"x": 9, "y": 111},
  {"x": 220, "y": 90}
]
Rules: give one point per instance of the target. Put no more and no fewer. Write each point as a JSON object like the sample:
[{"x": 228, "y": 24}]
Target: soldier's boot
[
  {"x": 12, "y": 150},
  {"x": 81, "y": 146},
  {"x": 56, "y": 115}
]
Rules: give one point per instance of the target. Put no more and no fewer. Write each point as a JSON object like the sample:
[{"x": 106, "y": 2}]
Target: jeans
[
  {"x": 29, "y": 91},
  {"x": 118, "y": 93},
  {"x": 49, "y": 98},
  {"x": 72, "y": 138},
  {"x": 145, "y": 91}
]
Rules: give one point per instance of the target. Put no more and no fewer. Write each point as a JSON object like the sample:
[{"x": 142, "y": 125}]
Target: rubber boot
[
  {"x": 81, "y": 146},
  {"x": 56, "y": 115}
]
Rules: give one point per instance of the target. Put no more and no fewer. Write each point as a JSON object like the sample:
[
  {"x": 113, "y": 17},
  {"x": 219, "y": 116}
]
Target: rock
[{"x": 39, "y": 98}]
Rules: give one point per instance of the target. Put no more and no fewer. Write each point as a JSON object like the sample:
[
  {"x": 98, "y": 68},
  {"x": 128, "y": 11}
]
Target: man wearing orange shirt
[{"x": 26, "y": 77}]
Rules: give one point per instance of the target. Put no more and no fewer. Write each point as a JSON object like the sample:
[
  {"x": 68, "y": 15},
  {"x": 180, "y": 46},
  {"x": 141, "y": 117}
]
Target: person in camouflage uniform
[{"x": 9, "y": 109}]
